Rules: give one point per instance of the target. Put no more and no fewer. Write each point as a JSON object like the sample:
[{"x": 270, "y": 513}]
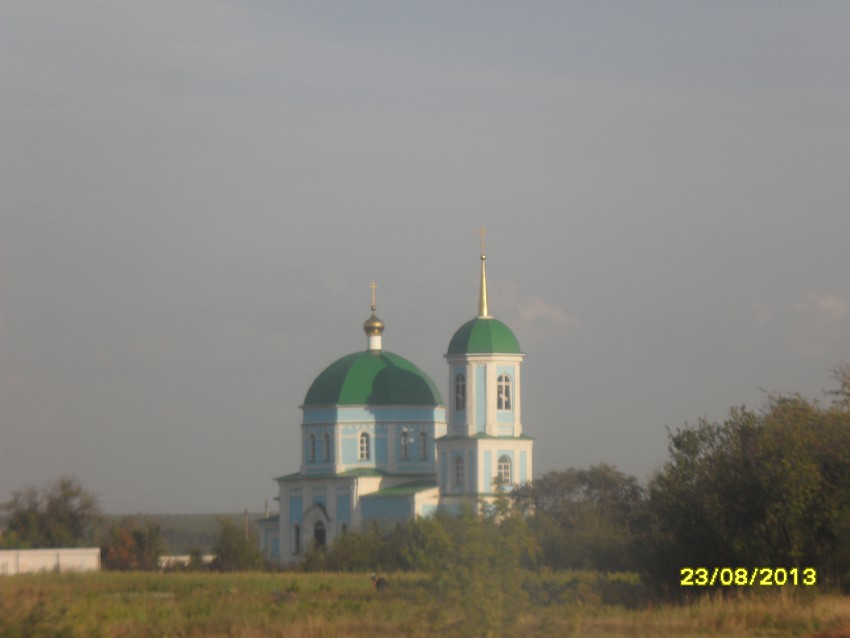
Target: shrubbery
[{"x": 768, "y": 488}]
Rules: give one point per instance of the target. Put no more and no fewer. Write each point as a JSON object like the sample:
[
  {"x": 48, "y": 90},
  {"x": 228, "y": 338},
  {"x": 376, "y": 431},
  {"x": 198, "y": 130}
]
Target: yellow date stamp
[{"x": 747, "y": 576}]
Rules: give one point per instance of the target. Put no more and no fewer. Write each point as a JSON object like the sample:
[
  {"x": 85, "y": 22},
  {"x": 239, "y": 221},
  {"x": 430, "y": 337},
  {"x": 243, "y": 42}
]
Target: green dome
[
  {"x": 484, "y": 335},
  {"x": 373, "y": 378}
]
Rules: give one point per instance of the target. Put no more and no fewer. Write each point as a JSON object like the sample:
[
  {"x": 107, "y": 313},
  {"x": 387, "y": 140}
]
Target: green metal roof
[
  {"x": 414, "y": 487},
  {"x": 373, "y": 378},
  {"x": 481, "y": 435},
  {"x": 484, "y": 335},
  {"x": 355, "y": 473}
]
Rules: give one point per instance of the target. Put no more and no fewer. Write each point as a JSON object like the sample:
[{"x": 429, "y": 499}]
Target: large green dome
[
  {"x": 484, "y": 335},
  {"x": 373, "y": 378}
]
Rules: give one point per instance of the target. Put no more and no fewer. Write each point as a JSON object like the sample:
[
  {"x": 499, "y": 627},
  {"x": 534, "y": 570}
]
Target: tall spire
[
  {"x": 373, "y": 327},
  {"x": 482, "y": 297}
]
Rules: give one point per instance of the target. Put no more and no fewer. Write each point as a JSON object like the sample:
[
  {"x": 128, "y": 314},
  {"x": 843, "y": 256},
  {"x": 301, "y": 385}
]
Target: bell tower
[{"x": 485, "y": 444}]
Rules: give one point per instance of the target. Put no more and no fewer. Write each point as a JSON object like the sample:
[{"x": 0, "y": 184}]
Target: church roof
[
  {"x": 484, "y": 335},
  {"x": 413, "y": 487},
  {"x": 373, "y": 377}
]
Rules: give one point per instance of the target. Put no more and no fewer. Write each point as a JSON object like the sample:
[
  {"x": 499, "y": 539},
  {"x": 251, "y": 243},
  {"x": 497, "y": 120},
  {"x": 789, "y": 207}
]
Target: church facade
[{"x": 379, "y": 444}]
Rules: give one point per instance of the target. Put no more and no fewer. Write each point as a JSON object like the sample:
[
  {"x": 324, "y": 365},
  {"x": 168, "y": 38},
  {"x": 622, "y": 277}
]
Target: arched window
[
  {"x": 405, "y": 445},
  {"x": 459, "y": 472},
  {"x": 296, "y": 539},
  {"x": 423, "y": 446},
  {"x": 364, "y": 446},
  {"x": 460, "y": 391},
  {"x": 312, "y": 452},
  {"x": 504, "y": 470},
  {"x": 319, "y": 536},
  {"x": 503, "y": 387},
  {"x": 327, "y": 442}
]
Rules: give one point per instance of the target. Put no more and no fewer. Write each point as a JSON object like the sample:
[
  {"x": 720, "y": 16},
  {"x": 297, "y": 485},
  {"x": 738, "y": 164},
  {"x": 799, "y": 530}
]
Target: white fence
[{"x": 29, "y": 561}]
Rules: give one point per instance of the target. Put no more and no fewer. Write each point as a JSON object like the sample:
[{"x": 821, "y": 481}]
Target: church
[{"x": 379, "y": 444}]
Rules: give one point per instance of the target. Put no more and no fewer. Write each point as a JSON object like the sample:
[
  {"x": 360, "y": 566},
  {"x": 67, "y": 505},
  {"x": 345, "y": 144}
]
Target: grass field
[{"x": 345, "y": 605}]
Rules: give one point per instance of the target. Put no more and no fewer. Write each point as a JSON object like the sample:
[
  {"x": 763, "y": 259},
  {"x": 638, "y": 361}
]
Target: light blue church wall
[
  {"x": 271, "y": 540},
  {"x": 349, "y": 450},
  {"x": 380, "y": 443},
  {"x": 480, "y": 399},
  {"x": 386, "y": 509},
  {"x": 343, "y": 508},
  {"x": 488, "y": 466},
  {"x": 361, "y": 414},
  {"x": 471, "y": 484},
  {"x": 295, "y": 509}
]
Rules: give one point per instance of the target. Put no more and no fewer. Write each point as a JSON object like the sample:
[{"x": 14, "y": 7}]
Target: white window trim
[
  {"x": 504, "y": 462},
  {"x": 365, "y": 447},
  {"x": 460, "y": 392},
  {"x": 504, "y": 393}
]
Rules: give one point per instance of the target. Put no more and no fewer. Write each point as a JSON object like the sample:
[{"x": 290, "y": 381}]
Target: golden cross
[
  {"x": 482, "y": 232},
  {"x": 373, "y": 285}
]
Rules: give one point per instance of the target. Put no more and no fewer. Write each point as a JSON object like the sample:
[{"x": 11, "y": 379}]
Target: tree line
[
  {"x": 64, "y": 514},
  {"x": 763, "y": 488}
]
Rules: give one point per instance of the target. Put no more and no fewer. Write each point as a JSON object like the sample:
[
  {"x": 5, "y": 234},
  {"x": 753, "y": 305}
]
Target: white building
[{"x": 30, "y": 561}]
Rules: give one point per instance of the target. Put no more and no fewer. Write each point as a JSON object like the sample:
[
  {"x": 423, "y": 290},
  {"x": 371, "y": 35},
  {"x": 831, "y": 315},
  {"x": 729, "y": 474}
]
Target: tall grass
[{"x": 299, "y": 605}]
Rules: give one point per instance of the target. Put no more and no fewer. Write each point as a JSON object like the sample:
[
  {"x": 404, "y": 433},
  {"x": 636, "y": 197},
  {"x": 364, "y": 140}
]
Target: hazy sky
[{"x": 194, "y": 197}]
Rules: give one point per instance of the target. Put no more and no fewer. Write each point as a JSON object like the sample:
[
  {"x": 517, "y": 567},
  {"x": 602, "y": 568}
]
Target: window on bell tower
[
  {"x": 459, "y": 472},
  {"x": 327, "y": 442},
  {"x": 503, "y": 388},
  {"x": 423, "y": 446},
  {"x": 504, "y": 470},
  {"x": 460, "y": 392},
  {"x": 312, "y": 451}
]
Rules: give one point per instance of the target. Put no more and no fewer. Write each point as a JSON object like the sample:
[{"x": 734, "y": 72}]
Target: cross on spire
[{"x": 373, "y": 286}]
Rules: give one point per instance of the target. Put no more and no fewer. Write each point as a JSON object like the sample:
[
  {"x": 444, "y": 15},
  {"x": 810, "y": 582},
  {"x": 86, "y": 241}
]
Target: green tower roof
[
  {"x": 484, "y": 335},
  {"x": 375, "y": 377}
]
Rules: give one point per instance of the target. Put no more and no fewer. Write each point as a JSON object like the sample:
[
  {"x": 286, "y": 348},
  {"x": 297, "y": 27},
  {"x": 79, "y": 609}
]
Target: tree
[
  {"x": 62, "y": 514},
  {"x": 235, "y": 549},
  {"x": 761, "y": 489},
  {"x": 478, "y": 562},
  {"x": 133, "y": 545},
  {"x": 584, "y": 519}
]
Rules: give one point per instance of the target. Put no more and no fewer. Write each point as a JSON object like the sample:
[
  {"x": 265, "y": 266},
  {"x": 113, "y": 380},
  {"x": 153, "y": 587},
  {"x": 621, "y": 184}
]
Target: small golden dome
[{"x": 373, "y": 325}]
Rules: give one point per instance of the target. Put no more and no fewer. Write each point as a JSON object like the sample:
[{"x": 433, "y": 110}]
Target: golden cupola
[{"x": 373, "y": 327}]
